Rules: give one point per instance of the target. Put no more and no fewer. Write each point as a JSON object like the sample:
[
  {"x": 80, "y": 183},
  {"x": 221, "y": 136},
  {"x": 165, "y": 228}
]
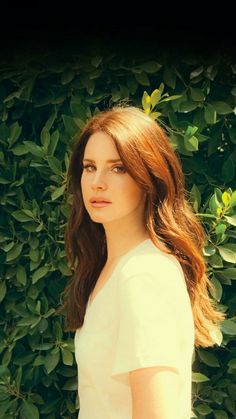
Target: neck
[{"x": 122, "y": 240}]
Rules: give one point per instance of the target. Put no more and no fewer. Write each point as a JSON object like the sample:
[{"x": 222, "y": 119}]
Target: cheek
[
  {"x": 131, "y": 192},
  {"x": 83, "y": 182}
]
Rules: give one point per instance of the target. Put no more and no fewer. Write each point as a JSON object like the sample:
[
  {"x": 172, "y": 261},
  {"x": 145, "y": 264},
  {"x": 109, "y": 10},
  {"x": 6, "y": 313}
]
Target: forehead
[{"x": 100, "y": 143}]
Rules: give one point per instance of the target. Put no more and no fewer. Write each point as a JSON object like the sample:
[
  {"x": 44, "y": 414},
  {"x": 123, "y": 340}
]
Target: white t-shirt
[{"x": 141, "y": 317}]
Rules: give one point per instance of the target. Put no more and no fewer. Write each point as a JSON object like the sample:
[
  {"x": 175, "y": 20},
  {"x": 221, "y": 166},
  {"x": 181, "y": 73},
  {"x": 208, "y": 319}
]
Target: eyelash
[{"x": 115, "y": 167}]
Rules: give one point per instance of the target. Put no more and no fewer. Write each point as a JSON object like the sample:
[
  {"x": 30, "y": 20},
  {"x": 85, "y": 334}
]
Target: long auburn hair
[{"x": 149, "y": 158}]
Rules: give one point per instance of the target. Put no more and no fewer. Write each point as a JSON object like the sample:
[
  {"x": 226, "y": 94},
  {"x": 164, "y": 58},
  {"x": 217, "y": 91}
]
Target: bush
[{"x": 45, "y": 100}]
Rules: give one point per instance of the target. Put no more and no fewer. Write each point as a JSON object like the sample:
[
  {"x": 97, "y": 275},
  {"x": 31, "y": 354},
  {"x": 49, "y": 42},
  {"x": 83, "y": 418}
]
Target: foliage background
[{"x": 46, "y": 96}]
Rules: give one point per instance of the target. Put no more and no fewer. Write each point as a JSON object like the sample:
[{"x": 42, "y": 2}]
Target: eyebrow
[{"x": 108, "y": 161}]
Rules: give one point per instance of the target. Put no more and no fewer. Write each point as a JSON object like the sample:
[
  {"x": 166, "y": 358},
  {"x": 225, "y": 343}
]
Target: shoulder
[{"x": 153, "y": 262}]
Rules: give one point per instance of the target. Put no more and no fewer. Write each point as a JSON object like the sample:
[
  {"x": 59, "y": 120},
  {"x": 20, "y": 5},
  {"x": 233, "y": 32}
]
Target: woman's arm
[{"x": 155, "y": 393}]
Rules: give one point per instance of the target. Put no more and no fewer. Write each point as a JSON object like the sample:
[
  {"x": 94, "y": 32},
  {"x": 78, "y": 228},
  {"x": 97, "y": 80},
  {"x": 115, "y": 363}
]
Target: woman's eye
[
  {"x": 121, "y": 169},
  {"x": 87, "y": 166}
]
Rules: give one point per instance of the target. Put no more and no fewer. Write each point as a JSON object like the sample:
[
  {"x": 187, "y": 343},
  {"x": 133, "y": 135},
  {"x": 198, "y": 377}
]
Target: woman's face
[{"x": 110, "y": 181}]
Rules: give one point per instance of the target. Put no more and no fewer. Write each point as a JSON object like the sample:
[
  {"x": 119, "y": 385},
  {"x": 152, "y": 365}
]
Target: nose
[{"x": 98, "y": 181}]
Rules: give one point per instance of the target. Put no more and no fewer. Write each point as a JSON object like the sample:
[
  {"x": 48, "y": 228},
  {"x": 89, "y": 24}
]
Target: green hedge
[{"x": 44, "y": 101}]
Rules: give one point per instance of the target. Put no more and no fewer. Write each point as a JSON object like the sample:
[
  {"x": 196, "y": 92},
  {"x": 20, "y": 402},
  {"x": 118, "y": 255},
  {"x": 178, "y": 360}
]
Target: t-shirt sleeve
[{"x": 149, "y": 310}]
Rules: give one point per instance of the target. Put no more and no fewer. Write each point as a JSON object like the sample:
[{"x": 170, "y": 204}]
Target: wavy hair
[{"x": 173, "y": 227}]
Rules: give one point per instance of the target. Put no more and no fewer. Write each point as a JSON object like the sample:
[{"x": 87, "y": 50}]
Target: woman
[{"x": 138, "y": 299}]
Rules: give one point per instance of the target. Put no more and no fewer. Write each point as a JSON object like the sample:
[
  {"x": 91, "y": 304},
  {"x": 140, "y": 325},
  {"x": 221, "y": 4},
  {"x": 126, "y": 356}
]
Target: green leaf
[
  {"x": 232, "y": 392},
  {"x": 4, "y": 132},
  {"x": 53, "y": 142},
  {"x": 190, "y": 131},
  {"x": 34, "y": 243},
  {"x": 142, "y": 79},
  {"x": 6, "y": 247},
  {"x": 169, "y": 77},
  {"x": 18, "y": 378},
  {"x": 3, "y": 290},
  {"x": 225, "y": 198},
  {"x": 208, "y": 358},
  {"x": 64, "y": 268},
  {"x": 7, "y": 357},
  {"x": 197, "y": 94},
  {"x": 169, "y": 98},
  {"x": 19, "y": 150},
  {"x": 187, "y": 106},
  {"x": 209, "y": 250},
  {"x": 216, "y": 335},
  {"x": 155, "y": 115},
  {"x": 67, "y": 357},
  {"x": 79, "y": 122},
  {"x": 49, "y": 313},
  {"x": 55, "y": 165},
  {"x": 217, "y": 294},
  {"x": 222, "y": 108},
  {"x": 221, "y": 414},
  {"x": 51, "y": 120},
  {"x": 43, "y": 346},
  {"x": 15, "y": 132},
  {"x": 21, "y": 275},
  {"x": 228, "y": 170},
  {"x": 34, "y": 149},
  {"x": 29, "y": 321},
  {"x": 96, "y": 61},
  {"x": 58, "y": 192},
  {"x": 51, "y": 361},
  {"x": 70, "y": 125},
  {"x": 203, "y": 409},
  {"x": 29, "y": 410},
  {"x": 191, "y": 144},
  {"x": 51, "y": 406},
  {"x": 71, "y": 384},
  {"x": 198, "y": 377},
  {"x": 4, "y": 374},
  {"x": 228, "y": 252},
  {"x": 214, "y": 204},
  {"x": 42, "y": 326},
  {"x": 195, "y": 198},
  {"x": 40, "y": 273},
  {"x": 67, "y": 76},
  {"x": 4, "y": 406},
  {"x": 228, "y": 327},
  {"x": 77, "y": 109},
  {"x": 195, "y": 73},
  {"x": 39, "y": 360},
  {"x": 3, "y": 396},
  {"x": 155, "y": 97},
  {"x": 13, "y": 95},
  {"x": 231, "y": 220},
  {"x": 232, "y": 363},
  {"x": 151, "y": 67},
  {"x": 210, "y": 114},
  {"x": 14, "y": 252},
  {"x": 37, "y": 398},
  {"x": 230, "y": 272},
  {"x": 21, "y": 216},
  {"x": 34, "y": 255},
  {"x": 22, "y": 360},
  {"x": 4, "y": 181},
  {"x": 87, "y": 83},
  {"x": 233, "y": 199},
  {"x": 57, "y": 330},
  {"x": 45, "y": 138},
  {"x": 146, "y": 101}
]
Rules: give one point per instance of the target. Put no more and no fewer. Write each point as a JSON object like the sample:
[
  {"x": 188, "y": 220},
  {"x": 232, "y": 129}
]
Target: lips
[{"x": 102, "y": 200}]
